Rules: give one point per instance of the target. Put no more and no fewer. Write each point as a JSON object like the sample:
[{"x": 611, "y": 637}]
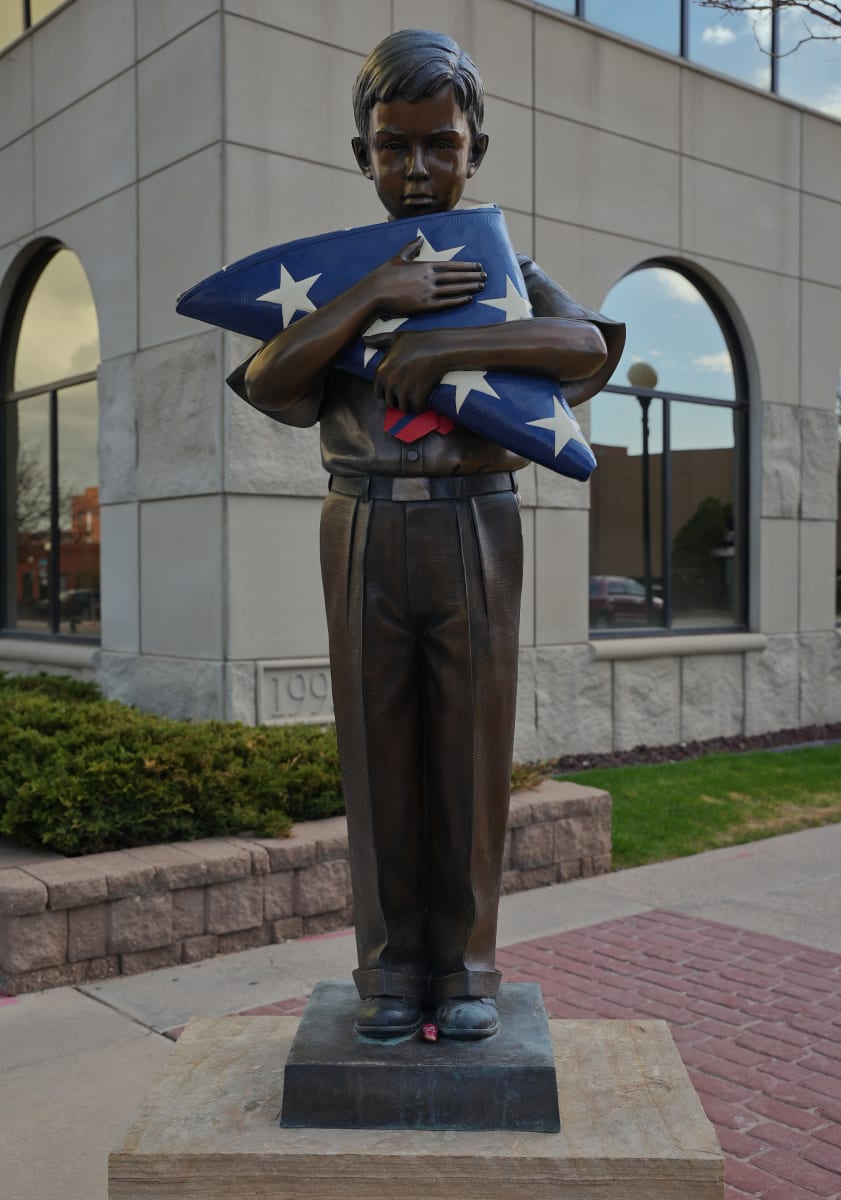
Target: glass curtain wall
[{"x": 668, "y": 500}]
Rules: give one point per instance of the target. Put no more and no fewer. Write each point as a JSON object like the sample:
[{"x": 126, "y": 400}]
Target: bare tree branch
[{"x": 827, "y": 12}]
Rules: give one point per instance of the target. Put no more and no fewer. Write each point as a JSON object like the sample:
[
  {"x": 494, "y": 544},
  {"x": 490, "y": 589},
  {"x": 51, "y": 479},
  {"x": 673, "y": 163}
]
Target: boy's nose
[{"x": 416, "y": 167}]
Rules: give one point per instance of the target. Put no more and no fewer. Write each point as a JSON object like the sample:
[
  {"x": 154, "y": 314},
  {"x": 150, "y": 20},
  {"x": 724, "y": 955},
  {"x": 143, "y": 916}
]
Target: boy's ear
[
  {"x": 477, "y": 152},
  {"x": 360, "y": 153}
]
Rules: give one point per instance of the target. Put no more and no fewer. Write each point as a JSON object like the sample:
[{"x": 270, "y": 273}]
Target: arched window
[
  {"x": 838, "y": 526},
  {"x": 668, "y": 519},
  {"x": 49, "y": 515}
]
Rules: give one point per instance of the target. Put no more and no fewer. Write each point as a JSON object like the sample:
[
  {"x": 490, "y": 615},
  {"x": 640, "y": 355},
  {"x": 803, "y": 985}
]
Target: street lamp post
[{"x": 642, "y": 375}]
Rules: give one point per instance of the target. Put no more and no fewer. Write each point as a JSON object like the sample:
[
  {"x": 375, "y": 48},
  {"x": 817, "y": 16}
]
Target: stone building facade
[{"x": 158, "y": 141}]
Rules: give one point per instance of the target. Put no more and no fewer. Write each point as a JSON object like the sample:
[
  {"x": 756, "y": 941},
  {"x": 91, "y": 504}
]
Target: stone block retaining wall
[{"x": 76, "y": 919}]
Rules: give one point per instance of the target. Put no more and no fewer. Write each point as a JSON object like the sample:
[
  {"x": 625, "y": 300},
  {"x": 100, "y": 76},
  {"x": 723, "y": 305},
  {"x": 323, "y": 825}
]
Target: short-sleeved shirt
[{"x": 351, "y": 418}]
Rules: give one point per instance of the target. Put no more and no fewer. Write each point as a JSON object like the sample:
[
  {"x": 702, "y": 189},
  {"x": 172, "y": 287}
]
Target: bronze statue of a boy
[{"x": 421, "y": 554}]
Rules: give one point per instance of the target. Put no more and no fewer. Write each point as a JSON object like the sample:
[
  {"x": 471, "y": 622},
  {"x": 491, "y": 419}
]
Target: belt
[{"x": 421, "y": 487}]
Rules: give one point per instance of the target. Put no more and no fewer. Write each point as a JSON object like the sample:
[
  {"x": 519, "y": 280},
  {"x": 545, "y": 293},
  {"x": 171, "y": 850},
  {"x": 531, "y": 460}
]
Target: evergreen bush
[{"x": 80, "y": 774}]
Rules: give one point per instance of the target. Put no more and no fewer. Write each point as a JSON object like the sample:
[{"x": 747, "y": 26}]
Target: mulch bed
[{"x": 807, "y": 735}]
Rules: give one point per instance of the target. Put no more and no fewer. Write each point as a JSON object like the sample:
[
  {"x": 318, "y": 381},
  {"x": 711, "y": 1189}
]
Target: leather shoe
[
  {"x": 388, "y": 1017},
  {"x": 467, "y": 1017}
]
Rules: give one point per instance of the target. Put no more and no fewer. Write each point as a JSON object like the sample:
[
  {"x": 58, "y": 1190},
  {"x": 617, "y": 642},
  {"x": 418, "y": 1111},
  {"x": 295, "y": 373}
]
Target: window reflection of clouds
[
  {"x": 811, "y": 73},
  {"x": 732, "y": 43},
  {"x": 11, "y": 20},
  {"x": 59, "y": 336},
  {"x": 42, "y": 8},
  {"x": 655, "y": 22},
  {"x": 55, "y": 520},
  {"x": 615, "y": 422},
  {"x": 671, "y": 326},
  {"x": 78, "y": 436}
]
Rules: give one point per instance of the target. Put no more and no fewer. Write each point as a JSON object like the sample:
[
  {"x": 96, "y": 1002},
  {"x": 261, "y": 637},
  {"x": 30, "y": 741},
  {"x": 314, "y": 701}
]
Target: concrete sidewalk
[{"x": 75, "y": 1061}]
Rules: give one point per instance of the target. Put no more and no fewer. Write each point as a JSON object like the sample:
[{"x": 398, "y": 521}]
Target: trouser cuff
[
  {"x": 476, "y": 984},
  {"x": 383, "y": 982}
]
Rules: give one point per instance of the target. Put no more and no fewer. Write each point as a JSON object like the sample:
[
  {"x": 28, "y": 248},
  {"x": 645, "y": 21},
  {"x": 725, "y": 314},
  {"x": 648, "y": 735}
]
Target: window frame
[
  {"x": 740, "y": 406},
  {"x": 9, "y": 336}
]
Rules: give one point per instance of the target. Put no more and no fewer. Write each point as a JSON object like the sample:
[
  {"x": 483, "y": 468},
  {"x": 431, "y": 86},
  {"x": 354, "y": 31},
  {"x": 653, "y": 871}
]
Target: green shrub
[{"x": 79, "y": 774}]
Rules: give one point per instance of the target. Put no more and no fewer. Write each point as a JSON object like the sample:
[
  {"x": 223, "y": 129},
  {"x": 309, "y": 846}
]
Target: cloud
[
  {"x": 718, "y": 35},
  {"x": 677, "y": 286},
  {"x": 720, "y": 363}
]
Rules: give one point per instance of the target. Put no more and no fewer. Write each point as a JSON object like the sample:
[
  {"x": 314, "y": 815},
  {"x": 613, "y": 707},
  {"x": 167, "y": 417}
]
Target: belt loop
[
  {"x": 366, "y": 488},
  {"x": 329, "y": 483},
  {"x": 515, "y": 487}
]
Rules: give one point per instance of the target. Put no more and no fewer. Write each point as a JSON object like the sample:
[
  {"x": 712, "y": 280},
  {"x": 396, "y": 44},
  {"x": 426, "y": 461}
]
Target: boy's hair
[{"x": 414, "y": 63}]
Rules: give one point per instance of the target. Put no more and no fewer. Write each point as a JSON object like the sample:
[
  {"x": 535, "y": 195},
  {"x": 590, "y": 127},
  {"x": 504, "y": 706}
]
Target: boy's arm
[
  {"x": 415, "y": 363},
  {"x": 578, "y": 347},
  {"x": 293, "y": 365}
]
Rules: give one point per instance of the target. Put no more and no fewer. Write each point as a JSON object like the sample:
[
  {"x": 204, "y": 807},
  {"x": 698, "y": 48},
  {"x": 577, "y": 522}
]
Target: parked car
[
  {"x": 80, "y": 602},
  {"x": 618, "y": 600},
  {"x": 74, "y": 604}
]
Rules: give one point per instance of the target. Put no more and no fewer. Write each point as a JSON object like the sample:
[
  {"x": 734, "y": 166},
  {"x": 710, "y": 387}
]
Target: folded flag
[{"x": 264, "y": 293}]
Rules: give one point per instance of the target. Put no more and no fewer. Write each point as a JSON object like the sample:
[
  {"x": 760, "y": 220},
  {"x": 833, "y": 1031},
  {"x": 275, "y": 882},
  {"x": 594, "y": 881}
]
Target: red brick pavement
[{"x": 756, "y": 1019}]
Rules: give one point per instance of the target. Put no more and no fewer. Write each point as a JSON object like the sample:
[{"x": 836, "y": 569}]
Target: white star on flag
[
  {"x": 381, "y": 325},
  {"x": 562, "y": 424},
  {"x": 427, "y": 254},
  {"x": 292, "y": 295},
  {"x": 466, "y": 382},
  {"x": 515, "y": 306}
]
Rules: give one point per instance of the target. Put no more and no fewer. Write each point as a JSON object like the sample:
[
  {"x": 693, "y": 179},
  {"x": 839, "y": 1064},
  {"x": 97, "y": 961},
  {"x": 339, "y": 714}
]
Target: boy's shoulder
[{"x": 549, "y": 299}]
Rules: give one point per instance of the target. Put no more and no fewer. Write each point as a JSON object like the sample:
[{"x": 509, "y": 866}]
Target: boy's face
[{"x": 420, "y": 154}]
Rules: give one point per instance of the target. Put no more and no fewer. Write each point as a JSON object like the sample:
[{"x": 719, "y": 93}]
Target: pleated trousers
[{"x": 423, "y": 604}]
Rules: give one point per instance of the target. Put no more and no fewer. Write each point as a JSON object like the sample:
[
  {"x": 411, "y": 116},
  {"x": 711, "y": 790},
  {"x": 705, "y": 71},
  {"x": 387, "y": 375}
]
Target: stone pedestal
[
  {"x": 338, "y": 1080},
  {"x": 631, "y": 1129}
]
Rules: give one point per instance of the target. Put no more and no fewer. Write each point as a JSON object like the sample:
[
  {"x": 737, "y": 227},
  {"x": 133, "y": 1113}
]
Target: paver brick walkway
[{"x": 756, "y": 1019}]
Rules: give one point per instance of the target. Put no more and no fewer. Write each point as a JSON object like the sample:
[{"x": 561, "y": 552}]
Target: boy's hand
[
  {"x": 404, "y": 287},
  {"x": 411, "y": 369}
]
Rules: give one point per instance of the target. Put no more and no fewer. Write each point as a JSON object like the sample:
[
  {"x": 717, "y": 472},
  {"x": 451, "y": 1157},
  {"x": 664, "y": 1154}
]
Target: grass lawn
[{"x": 674, "y": 809}]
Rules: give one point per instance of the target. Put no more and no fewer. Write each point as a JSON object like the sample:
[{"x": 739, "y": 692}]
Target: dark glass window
[
  {"x": 655, "y": 22},
  {"x": 50, "y": 514},
  {"x": 668, "y": 520}
]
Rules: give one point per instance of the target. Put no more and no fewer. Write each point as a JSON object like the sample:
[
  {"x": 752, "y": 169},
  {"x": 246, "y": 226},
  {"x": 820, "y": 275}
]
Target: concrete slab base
[
  {"x": 631, "y": 1127},
  {"x": 336, "y": 1079}
]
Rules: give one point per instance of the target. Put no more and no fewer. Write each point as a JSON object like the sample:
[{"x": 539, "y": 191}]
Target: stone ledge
[
  {"x": 677, "y": 645},
  {"x": 93, "y": 917}
]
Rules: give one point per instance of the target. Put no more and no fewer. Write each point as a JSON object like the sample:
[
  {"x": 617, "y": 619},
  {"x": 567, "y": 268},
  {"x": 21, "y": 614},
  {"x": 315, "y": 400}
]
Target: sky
[{"x": 672, "y": 328}]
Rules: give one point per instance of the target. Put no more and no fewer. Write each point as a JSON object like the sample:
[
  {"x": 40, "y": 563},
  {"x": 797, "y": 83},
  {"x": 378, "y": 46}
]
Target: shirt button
[{"x": 413, "y": 456}]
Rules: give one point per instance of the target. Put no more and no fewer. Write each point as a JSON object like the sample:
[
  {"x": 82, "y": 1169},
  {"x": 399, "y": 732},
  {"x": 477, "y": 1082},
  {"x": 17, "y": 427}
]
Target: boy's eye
[{"x": 442, "y": 144}]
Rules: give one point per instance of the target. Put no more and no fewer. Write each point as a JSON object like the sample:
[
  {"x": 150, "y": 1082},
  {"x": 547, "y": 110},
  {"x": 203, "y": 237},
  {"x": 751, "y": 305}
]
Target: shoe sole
[
  {"x": 467, "y": 1035},
  {"x": 380, "y": 1033}
]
